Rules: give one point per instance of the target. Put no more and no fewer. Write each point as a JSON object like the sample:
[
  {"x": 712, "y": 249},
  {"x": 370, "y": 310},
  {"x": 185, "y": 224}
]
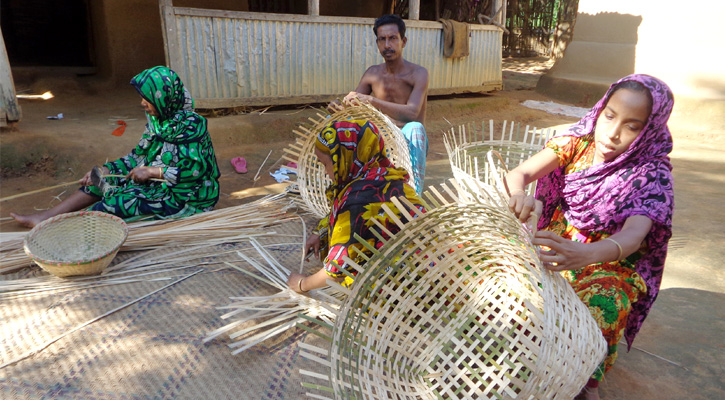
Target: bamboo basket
[
  {"x": 311, "y": 176},
  {"x": 467, "y": 149},
  {"x": 457, "y": 306},
  {"x": 77, "y": 243}
]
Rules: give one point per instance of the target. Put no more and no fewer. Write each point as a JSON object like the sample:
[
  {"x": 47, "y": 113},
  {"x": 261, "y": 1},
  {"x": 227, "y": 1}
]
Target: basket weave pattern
[
  {"x": 468, "y": 147},
  {"x": 458, "y": 306},
  {"x": 78, "y": 243},
  {"x": 311, "y": 176}
]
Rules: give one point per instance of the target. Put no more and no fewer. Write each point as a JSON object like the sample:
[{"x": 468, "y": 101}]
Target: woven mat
[{"x": 152, "y": 349}]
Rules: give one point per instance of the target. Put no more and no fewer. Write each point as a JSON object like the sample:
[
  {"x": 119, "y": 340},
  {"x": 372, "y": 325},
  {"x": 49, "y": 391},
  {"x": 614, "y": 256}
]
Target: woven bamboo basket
[
  {"x": 311, "y": 176},
  {"x": 78, "y": 243},
  {"x": 467, "y": 149},
  {"x": 457, "y": 306}
]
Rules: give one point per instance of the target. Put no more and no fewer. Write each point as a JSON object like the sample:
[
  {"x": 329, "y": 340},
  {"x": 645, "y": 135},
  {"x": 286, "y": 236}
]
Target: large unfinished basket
[
  {"x": 311, "y": 176},
  {"x": 458, "y": 306},
  {"x": 467, "y": 149}
]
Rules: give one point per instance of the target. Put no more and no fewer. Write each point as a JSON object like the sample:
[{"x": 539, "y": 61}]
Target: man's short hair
[{"x": 390, "y": 19}]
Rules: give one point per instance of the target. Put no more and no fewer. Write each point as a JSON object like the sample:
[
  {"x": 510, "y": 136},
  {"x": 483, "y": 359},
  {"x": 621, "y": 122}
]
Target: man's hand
[
  {"x": 353, "y": 98},
  {"x": 334, "y": 107}
]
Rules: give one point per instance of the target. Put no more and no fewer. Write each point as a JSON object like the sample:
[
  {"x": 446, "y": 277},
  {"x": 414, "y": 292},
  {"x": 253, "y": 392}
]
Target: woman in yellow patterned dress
[{"x": 363, "y": 179}]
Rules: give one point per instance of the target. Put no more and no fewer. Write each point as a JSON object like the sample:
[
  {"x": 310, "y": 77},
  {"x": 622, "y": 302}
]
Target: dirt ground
[{"x": 680, "y": 352}]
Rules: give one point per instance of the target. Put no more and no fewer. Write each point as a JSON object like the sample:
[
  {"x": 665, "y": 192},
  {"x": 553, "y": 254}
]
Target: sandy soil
[{"x": 39, "y": 153}]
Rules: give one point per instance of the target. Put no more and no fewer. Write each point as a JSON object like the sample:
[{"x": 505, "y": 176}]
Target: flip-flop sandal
[{"x": 239, "y": 164}]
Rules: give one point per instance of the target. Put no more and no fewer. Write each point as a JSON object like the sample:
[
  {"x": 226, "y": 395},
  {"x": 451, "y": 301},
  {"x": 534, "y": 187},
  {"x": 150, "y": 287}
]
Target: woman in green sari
[{"x": 171, "y": 173}]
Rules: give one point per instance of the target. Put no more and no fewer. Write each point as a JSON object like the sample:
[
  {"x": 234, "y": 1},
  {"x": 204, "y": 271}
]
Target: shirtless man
[{"x": 399, "y": 89}]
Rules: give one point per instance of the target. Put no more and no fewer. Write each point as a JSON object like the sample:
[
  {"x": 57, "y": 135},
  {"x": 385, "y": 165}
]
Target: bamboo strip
[{"x": 15, "y": 196}]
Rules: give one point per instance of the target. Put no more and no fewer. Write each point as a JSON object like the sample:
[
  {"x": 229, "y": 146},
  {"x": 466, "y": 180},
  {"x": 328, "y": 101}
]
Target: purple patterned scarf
[{"x": 637, "y": 182}]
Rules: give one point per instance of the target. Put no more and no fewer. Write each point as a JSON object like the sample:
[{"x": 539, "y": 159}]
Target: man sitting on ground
[{"x": 399, "y": 89}]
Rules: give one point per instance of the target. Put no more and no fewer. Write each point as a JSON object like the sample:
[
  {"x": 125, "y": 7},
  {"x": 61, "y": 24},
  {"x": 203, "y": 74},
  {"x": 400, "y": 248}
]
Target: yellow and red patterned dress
[{"x": 364, "y": 180}]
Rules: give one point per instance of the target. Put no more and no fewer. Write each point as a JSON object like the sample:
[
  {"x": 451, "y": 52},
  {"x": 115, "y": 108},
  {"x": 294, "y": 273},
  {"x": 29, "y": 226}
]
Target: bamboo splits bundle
[
  {"x": 311, "y": 176},
  {"x": 209, "y": 228},
  {"x": 467, "y": 149},
  {"x": 257, "y": 319},
  {"x": 456, "y": 305}
]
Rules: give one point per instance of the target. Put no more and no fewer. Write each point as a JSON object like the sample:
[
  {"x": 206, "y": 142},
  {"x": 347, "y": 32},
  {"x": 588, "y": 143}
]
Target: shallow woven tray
[
  {"x": 311, "y": 176},
  {"x": 457, "y": 306},
  {"x": 78, "y": 243},
  {"x": 467, "y": 148}
]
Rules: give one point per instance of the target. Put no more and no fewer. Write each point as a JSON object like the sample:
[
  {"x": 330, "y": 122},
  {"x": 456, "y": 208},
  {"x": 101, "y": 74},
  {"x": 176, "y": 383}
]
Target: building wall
[
  {"x": 127, "y": 35},
  {"x": 681, "y": 45}
]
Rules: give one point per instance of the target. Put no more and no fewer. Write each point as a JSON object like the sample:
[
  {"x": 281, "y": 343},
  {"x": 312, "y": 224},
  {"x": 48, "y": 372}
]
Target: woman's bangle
[
  {"x": 619, "y": 246},
  {"x": 161, "y": 172},
  {"x": 517, "y": 191},
  {"x": 299, "y": 285}
]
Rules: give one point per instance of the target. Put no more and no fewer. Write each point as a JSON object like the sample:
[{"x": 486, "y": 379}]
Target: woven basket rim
[{"x": 69, "y": 215}]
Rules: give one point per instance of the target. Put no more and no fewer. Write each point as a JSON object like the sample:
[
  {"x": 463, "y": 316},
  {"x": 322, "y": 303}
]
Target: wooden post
[
  {"x": 9, "y": 108},
  {"x": 313, "y": 7},
  {"x": 498, "y": 12},
  {"x": 414, "y": 10},
  {"x": 169, "y": 34}
]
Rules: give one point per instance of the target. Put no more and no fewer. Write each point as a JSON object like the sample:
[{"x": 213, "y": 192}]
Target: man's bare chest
[{"x": 393, "y": 89}]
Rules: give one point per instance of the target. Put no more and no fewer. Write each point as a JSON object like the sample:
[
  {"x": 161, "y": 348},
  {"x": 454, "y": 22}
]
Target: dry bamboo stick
[
  {"x": 126, "y": 176},
  {"x": 15, "y": 196},
  {"x": 256, "y": 177}
]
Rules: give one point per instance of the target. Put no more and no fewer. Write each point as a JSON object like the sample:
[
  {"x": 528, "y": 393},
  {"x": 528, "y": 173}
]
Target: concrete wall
[
  {"x": 127, "y": 34},
  {"x": 680, "y": 43},
  {"x": 126, "y": 37}
]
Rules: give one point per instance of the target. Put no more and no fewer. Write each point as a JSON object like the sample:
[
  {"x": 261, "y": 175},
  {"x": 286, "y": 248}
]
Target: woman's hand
[
  {"x": 143, "y": 174},
  {"x": 86, "y": 180},
  {"x": 563, "y": 254},
  {"x": 526, "y": 208},
  {"x": 312, "y": 245},
  {"x": 295, "y": 283}
]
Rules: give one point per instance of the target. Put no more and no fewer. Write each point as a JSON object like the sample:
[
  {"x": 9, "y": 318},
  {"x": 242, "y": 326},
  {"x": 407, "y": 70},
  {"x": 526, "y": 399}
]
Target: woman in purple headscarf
[{"x": 605, "y": 200}]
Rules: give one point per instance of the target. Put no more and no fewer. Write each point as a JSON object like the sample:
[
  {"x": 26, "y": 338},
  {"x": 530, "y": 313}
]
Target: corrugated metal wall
[{"x": 229, "y": 59}]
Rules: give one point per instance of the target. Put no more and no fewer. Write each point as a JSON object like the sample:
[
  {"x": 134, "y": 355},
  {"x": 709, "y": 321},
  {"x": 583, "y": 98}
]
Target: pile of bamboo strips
[
  {"x": 205, "y": 229},
  {"x": 255, "y": 319}
]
